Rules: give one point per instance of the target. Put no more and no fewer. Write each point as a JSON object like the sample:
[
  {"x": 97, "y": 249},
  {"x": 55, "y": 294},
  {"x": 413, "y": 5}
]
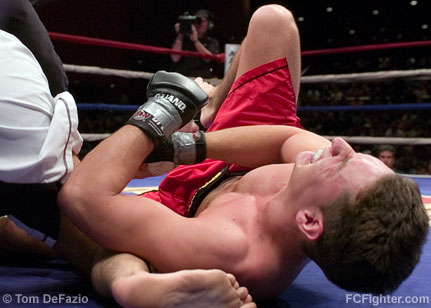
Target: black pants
[{"x": 33, "y": 204}]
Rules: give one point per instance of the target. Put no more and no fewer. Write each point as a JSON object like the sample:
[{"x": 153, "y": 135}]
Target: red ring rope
[
  {"x": 332, "y": 51},
  {"x": 221, "y": 57},
  {"x": 130, "y": 46}
]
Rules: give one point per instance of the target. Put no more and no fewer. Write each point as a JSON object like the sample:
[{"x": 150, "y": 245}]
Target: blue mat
[{"x": 53, "y": 283}]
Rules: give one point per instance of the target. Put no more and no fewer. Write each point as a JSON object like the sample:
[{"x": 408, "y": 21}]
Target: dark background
[{"x": 151, "y": 23}]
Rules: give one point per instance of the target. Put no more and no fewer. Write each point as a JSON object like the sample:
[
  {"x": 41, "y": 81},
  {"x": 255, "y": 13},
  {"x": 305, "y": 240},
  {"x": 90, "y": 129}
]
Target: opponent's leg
[
  {"x": 127, "y": 279},
  {"x": 272, "y": 34},
  {"x": 219, "y": 93},
  {"x": 14, "y": 242}
]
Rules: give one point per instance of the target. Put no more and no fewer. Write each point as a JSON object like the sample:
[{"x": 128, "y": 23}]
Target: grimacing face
[{"x": 320, "y": 177}]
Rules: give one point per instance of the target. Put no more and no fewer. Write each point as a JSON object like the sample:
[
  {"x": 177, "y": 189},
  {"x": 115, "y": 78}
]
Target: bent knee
[{"x": 274, "y": 15}]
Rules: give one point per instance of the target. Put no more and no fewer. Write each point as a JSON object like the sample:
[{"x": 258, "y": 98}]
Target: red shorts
[{"x": 263, "y": 95}]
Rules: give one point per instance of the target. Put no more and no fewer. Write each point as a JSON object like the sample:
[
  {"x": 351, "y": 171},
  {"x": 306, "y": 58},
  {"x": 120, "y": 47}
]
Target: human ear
[{"x": 310, "y": 223}]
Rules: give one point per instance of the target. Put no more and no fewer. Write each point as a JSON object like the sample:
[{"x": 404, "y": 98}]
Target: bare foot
[{"x": 183, "y": 289}]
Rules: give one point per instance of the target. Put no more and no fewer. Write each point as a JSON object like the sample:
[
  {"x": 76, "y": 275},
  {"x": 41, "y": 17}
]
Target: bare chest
[{"x": 261, "y": 183}]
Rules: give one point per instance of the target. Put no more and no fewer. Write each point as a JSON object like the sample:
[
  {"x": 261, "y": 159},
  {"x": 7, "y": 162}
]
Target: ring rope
[
  {"x": 349, "y": 139},
  {"x": 384, "y": 140},
  {"x": 370, "y": 76},
  {"x": 221, "y": 57},
  {"x": 335, "y": 78},
  {"x": 377, "y": 107},
  {"x": 130, "y": 46},
  {"x": 351, "y": 49},
  {"x": 83, "y": 69}
]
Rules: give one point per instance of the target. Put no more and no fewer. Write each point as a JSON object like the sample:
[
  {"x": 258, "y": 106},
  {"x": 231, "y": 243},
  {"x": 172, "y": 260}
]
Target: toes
[
  {"x": 242, "y": 293},
  {"x": 249, "y": 305},
  {"x": 248, "y": 299},
  {"x": 233, "y": 281}
]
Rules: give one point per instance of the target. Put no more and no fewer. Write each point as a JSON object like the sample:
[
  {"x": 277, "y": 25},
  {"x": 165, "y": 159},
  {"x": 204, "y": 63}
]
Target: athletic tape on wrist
[
  {"x": 189, "y": 148},
  {"x": 181, "y": 148}
]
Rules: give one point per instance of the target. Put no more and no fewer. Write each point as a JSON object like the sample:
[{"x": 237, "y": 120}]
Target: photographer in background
[{"x": 192, "y": 34}]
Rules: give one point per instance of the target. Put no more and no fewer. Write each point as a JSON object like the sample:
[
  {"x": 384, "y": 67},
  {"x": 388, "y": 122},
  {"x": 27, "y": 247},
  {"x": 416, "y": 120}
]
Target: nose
[{"x": 341, "y": 148}]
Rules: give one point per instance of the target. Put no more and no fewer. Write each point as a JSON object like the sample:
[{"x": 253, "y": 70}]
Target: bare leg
[
  {"x": 272, "y": 34},
  {"x": 15, "y": 241},
  {"x": 75, "y": 247},
  {"x": 216, "y": 97},
  {"x": 127, "y": 279}
]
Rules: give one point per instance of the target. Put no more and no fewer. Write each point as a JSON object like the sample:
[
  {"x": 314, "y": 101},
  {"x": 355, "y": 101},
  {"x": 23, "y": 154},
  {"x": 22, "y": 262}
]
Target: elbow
[{"x": 71, "y": 202}]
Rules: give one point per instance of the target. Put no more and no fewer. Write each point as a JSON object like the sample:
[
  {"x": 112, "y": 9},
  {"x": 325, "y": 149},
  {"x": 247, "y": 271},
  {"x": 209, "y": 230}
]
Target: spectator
[
  {"x": 193, "y": 36},
  {"x": 387, "y": 154}
]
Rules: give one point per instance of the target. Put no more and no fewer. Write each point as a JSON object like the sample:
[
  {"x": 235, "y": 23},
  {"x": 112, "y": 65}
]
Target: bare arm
[
  {"x": 177, "y": 45},
  {"x": 92, "y": 199},
  {"x": 255, "y": 146}
]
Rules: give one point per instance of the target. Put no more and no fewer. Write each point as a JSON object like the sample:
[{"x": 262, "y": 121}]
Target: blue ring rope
[{"x": 386, "y": 107}]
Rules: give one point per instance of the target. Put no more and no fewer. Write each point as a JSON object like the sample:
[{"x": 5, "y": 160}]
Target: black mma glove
[
  {"x": 172, "y": 101},
  {"x": 181, "y": 148}
]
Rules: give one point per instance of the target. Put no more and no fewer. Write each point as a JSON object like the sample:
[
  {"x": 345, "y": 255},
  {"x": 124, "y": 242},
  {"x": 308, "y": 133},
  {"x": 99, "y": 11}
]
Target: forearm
[
  {"x": 89, "y": 196},
  {"x": 177, "y": 45},
  {"x": 201, "y": 48},
  {"x": 115, "y": 159},
  {"x": 254, "y": 146}
]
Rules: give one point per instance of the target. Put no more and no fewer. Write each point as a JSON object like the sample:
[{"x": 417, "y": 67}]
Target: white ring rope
[
  {"x": 349, "y": 139},
  {"x": 94, "y": 137},
  {"x": 335, "y": 78},
  {"x": 106, "y": 71},
  {"x": 384, "y": 140},
  {"x": 371, "y": 76}
]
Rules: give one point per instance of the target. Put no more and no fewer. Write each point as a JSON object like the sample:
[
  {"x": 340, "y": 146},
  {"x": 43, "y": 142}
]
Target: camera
[{"x": 186, "y": 22}]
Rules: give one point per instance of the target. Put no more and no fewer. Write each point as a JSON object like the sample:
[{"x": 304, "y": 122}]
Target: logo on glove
[
  {"x": 173, "y": 100},
  {"x": 141, "y": 115}
]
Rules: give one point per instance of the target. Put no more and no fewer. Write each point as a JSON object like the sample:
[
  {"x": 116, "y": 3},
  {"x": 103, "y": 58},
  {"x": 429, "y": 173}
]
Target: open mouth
[{"x": 316, "y": 155}]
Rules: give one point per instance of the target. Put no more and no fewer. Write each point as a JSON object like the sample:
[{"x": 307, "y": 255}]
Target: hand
[
  {"x": 207, "y": 87},
  {"x": 158, "y": 168},
  {"x": 154, "y": 169},
  {"x": 177, "y": 29},
  {"x": 208, "y": 112},
  {"x": 194, "y": 35},
  {"x": 190, "y": 127}
]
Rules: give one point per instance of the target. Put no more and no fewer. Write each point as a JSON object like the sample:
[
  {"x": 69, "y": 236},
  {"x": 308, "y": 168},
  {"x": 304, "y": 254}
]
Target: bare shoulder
[{"x": 265, "y": 180}]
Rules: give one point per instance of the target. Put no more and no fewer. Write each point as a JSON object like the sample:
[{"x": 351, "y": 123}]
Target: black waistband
[{"x": 203, "y": 191}]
